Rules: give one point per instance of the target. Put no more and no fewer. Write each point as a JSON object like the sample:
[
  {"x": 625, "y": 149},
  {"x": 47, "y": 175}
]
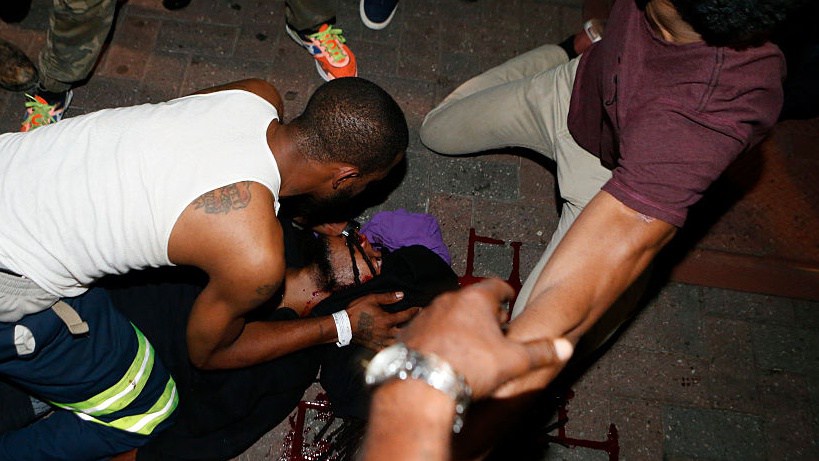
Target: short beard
[{"x": 323, "y": 276}]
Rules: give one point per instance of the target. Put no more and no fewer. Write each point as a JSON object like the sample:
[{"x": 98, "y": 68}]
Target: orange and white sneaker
[
  {"x": 45, "y": 108},
  {"x": 333, "y": 58}
]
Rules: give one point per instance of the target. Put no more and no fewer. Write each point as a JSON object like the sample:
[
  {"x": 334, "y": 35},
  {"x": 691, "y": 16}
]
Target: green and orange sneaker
[
  {"x": 45, "y": 108},
  {"x": 327, "y": 46}
]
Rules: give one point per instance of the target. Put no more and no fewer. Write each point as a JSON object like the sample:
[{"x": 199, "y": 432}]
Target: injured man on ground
[{"x": 369, "y": 292}]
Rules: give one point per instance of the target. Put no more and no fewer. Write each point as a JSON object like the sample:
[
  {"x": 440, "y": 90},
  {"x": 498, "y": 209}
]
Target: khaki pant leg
[
  {"x": 580, "y": 177},
  {"x": 525, "y": 102},
  {"x": 513, "y": 104},
  {"x": 77, "y": 32}
]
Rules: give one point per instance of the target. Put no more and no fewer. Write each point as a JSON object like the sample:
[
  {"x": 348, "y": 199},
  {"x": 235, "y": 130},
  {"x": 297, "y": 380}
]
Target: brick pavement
[{"x": 702, "y": 372}]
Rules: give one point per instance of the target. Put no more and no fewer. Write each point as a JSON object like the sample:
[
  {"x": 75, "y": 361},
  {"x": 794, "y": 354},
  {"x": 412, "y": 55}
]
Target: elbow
[
  {"x": 200, "y": 363},
  {"x": 202, "y": 360}
]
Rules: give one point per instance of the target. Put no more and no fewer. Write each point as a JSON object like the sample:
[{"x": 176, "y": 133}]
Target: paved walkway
[{"x": 703, "y": 373}]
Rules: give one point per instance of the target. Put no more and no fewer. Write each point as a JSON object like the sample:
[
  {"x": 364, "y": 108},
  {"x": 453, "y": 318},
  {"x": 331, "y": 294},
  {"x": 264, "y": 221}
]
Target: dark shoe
[
  {"x": 175, "y": 4},
  {"x": 376, "y": 14},
  {"x": 44, "y": 108},
  {"x": 17, "y": 72},
  {"x": 14, "y": 11}
]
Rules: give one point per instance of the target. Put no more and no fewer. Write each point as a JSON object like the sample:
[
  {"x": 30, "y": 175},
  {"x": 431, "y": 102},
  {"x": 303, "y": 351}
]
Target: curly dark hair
[
  {"x": 734, "y": 23},
  {"x": 355, "y": 121}
]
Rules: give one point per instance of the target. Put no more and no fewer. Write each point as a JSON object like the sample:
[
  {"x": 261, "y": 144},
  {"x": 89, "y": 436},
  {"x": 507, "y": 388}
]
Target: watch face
[{"x": 385, "y": 363}]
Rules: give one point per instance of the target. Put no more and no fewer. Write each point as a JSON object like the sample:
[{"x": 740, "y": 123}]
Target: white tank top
[{"x": 100, "y": 193}]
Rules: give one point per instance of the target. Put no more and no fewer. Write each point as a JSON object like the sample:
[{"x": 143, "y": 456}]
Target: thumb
[
  {"x": 522, "y": 375},
  {"x": 539, "y": 355},
  {"x": 547, "y": 352}
]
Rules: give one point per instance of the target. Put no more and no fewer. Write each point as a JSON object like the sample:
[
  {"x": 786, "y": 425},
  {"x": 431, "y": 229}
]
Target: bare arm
[
  {"x": 425, "y": 416},
  {"x": 463, "y": 328},
  {"x": 242, "y": 344},
  {"x": 233, "y": 235},
  {"x": 219, "y": 338},
  {"x": 605, "y": 250}
]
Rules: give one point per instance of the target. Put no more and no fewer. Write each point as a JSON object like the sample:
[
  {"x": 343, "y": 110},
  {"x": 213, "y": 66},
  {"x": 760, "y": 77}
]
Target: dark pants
[
  {"x": 221, "y": 413},
  {"x": 65, "y": 368},
  {"x": 308, "y": 14}
]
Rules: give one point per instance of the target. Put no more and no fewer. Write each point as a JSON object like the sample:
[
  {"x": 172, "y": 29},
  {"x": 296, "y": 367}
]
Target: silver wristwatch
[{"x": 400, "y": 362}]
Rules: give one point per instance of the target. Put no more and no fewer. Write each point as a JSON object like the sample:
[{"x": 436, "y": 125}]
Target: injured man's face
[
  {"x": 333, "y": 263},
  {"x": 347, "y": 261}
]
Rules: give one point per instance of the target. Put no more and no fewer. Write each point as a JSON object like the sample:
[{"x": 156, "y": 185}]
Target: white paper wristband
[
  {"x": 592, "y": 29},
  {"x": 343, "y": 328}
]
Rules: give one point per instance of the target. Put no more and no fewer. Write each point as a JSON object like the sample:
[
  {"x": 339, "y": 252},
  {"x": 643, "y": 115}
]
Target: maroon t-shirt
[{"x": 668, "y": 118}]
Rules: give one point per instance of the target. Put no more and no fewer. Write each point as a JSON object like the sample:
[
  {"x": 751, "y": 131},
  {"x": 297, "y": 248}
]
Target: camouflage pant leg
[
  {"x": 77, "y": 31},
  {"x": 309, "y": 14}
]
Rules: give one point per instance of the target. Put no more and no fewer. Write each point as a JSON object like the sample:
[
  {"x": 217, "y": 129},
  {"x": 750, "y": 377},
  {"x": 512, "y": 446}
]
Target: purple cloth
[{"x": 400, "y": 228}]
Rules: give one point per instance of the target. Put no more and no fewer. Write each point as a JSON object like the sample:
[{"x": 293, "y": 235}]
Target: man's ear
[{"x": 344, "y": 173}]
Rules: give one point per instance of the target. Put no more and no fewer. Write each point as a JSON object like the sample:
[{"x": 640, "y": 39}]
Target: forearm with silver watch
[{"x": 399, "y": 362}]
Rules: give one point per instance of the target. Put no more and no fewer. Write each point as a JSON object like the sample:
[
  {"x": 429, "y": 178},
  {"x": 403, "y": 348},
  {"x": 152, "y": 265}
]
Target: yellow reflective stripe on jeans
[
  {"x": 144, "y": 423},
  {"x": 126, "y": 390}
]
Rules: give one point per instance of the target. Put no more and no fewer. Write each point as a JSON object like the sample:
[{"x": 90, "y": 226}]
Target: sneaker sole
[
  {"x": 326, "y": 76},
  {"x": 374, "y": 25}
]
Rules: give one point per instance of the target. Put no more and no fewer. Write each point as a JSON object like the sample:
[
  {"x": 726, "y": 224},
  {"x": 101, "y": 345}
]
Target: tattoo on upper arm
[
  {"x": 365, "y": 327},
  {"x": 222, "y": 200}
]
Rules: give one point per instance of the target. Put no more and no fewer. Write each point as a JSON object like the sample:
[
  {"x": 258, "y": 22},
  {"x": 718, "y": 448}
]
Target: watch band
[{"x": 400, "y": 362}]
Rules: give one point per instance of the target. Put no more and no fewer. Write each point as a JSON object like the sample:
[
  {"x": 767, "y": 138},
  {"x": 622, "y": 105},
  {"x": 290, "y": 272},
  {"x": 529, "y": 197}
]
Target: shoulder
[
  {"x": 761, "y": 67},
  {"x": 231, "y": 232},
  {"x": 259, "y": 87}
]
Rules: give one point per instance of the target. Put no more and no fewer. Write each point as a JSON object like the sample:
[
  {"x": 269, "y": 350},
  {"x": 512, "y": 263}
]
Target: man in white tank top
[{"x": 194, "y": 181}]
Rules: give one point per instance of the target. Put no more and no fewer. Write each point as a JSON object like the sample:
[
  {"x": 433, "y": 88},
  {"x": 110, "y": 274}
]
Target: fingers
[
  {"x": 497, "y": 288},
  {"x": 491, "y": 294},
  {"x": 405, "y": 315},
  {"x": 331, "y": 229},
  {"x": 388, "y": 298}
]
